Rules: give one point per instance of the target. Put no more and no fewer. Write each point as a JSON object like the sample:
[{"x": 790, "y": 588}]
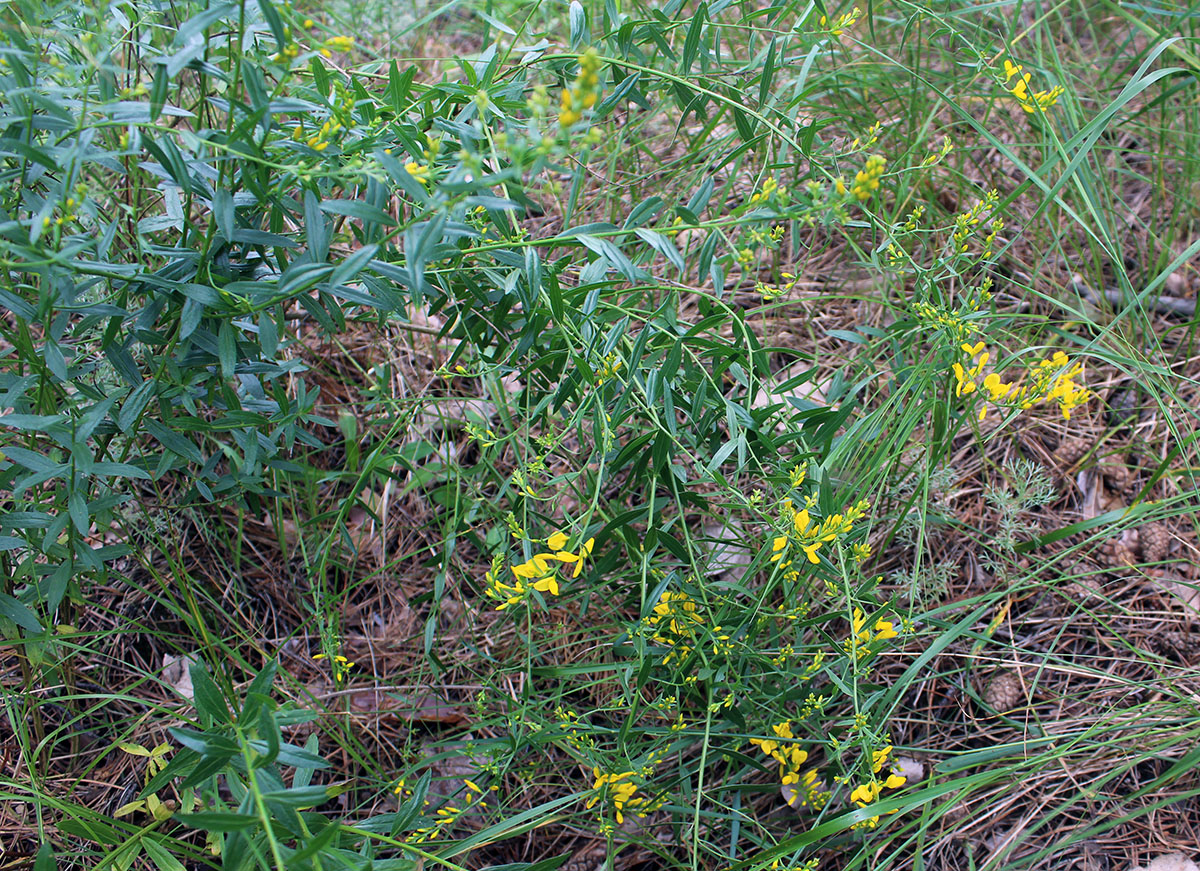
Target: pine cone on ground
[
  {"x": 588, "y": 859},
  {"x": 1118, "y": 476},
  {"x": 1004, "y": 692},
  {"x": 1116, "y": 554},
  {"x": 1155, "y": 540},
  {"x": 1084, "y": 584},
  {"x": 1070, "y": 451}
]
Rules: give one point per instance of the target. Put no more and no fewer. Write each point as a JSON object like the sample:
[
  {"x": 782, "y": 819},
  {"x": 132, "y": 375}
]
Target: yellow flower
[
  {"x": 569, "y": 558},
  {"x": 584, "y": 91},
  {"x": 769, "y": 746},
  {"x": 812, "y": 791},
  {"x": 766, "y": 745},
  {"x": 866, "y": 181},
  {"x": 535, "y": 567},
  {"x": 557, "y": 541},
  {"x": 777, "y": 547},
  {"x": 619, "y": 789},
  {"x": 965, "y": 378},
  {"x": 797, "y": 474},
  {"x": 417, "y": 170},
  {"x": 1039, "y": 101},
  {"x": 857, "y": 627},
  {"x": 861, "y": 636},
  {"x": 547, "y": 584},
  {"x": 793, "y": 758},
  {"x": 996, "y": 388},
  {"x": 865, "y": 793}
]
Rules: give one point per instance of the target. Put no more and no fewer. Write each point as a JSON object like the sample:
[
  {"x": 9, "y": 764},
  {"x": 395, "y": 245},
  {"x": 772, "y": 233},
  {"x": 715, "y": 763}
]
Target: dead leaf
[
  {"x": 1093, "y": 494},
  {"x": 729, "y": 556},
  {"x": 912, "y": 770},
  {"x": 1169, "y": 862},
  {"x": 176, "y": 670}
]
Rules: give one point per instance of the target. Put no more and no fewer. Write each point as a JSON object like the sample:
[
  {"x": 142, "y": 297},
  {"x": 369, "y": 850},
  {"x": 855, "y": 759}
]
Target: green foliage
[{"x": 200, "y": 200}]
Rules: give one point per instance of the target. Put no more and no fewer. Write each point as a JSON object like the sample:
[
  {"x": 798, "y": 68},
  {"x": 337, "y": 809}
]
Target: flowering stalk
[{"x": 539, "y": 572}]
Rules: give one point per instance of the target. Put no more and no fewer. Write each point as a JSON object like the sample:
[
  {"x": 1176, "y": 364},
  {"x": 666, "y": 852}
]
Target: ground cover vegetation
[{"x": 597, "y": 435}]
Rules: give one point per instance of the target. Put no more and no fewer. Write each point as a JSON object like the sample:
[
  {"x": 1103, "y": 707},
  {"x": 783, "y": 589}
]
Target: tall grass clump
[{"x": 709, "y": 436}]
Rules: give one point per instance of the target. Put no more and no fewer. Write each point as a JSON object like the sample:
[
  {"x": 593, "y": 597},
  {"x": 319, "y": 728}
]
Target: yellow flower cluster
[
  {"x": 966, "y": 221},
  {"x": 609, "y": 368},
  {"x": 320, "y": 140},
  {"x": 419, "y": 171},
  {"x": 537, "y": 573},
  {"x": 785, "y": 652},
  {"x": 809, "y": 865},
  {"x": 914, "y": 219},
  {"x": 798, "y": 473},
  {"x": 1051, "y": 380},
  {"x": 678, "y": 611},
  {"x": 965, "y": 378},
  {"x": 620, "y": 791},
  {"x": 813, "y": 704},
  {"x": 341, "y": 666},
  {"x": 1036, "y": 102},
  {"x": 872, "y": 136},
  {"x": 337, "y": 43},
  {"x": 950, "y": 323},
  {"x": 861, "y": 637},
  {"x": 70, "y": 207},
  {"x": 571, "y": 724},
  {"x": 842, "y": 23},
  {"x": 773, "y": 291},
  {"x": 422, "y": 171},
  {"x": 867, "y": 793},
  {"x": 940, "y": 154},
  {"x": 447, "y": 815},
  {"x": 809, "y": 536},
  {"x": 781, "y": 749},
  {"x": 809, "y": 792},
  {"x": 583, "y": 93},
  {"x": 675, "y": 620},
  {"x": 339, "y": 119},
  {"x": 784, "y": 750},
  {"x": 770, "y": 188},
  {"x": 866, "y": 181}
]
